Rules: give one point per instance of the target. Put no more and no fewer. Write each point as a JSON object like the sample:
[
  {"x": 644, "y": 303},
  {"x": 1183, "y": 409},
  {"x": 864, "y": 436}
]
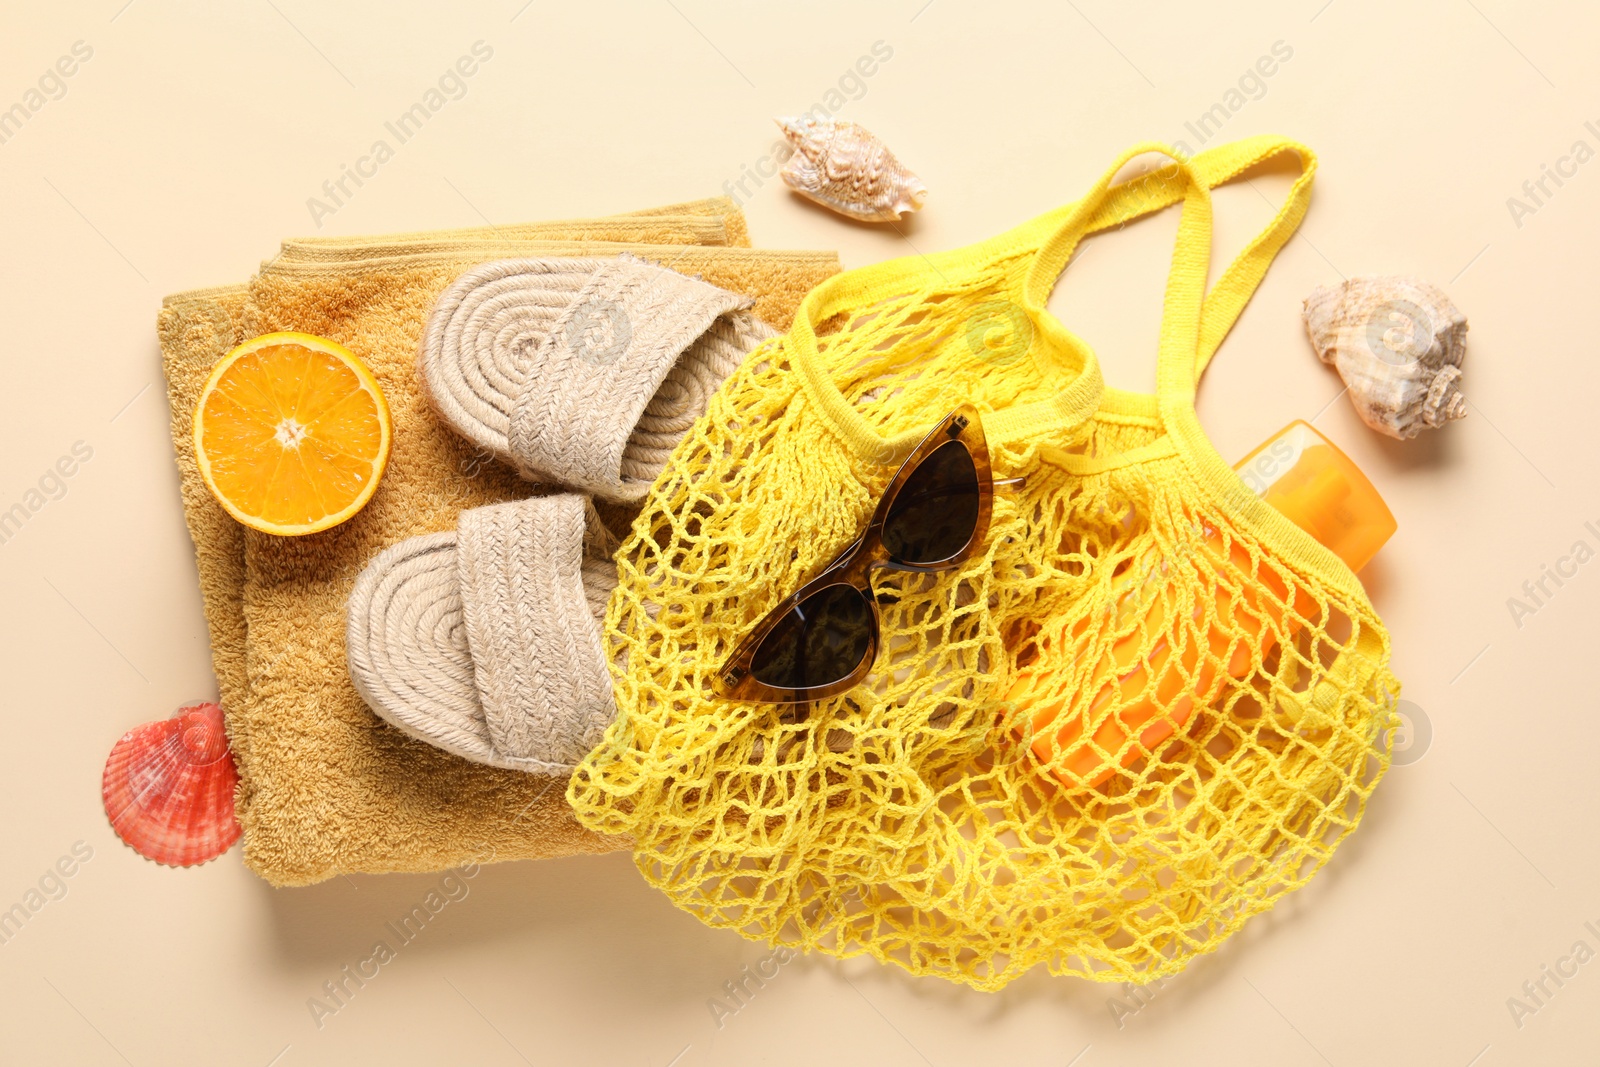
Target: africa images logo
[{"x": 598, "y": 331}]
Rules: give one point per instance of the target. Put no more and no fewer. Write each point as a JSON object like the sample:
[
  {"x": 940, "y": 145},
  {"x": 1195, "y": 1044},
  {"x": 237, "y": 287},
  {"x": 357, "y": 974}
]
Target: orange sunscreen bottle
[{"x": 1300, "y": 473}]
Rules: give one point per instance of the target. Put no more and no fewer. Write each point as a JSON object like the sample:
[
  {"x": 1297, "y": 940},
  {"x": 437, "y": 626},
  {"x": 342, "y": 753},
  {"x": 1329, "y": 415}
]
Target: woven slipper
[
  {"x": 485, "y": 642},
  {"x": 582, "y": 372}
]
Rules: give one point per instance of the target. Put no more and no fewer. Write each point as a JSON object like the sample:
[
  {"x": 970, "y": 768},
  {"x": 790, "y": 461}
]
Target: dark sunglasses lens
[
  {"x": 821, "y": 640},
  {"x": 935, "y": 513}
]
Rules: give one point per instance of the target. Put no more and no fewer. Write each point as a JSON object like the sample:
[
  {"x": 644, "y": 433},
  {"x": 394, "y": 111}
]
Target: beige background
[{"x": 187, "y": 146}]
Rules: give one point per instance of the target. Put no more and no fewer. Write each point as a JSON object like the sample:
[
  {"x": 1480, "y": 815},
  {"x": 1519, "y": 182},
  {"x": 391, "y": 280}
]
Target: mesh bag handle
[
  {"x": 1193, "y": 327},
  {"x": 1044, "y": 244}
]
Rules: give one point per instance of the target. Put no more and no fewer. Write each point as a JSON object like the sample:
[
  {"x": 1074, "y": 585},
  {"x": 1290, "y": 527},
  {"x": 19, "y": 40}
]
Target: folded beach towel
[
  {"x": 198, "y": 326},
  {"x": 708, "y": 230},
  {"x": 325, "y": 786}
]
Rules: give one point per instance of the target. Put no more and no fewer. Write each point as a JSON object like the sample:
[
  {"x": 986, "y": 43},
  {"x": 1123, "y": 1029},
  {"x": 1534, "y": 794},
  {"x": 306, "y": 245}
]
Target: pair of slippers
[{"x": 485, "y": 641}]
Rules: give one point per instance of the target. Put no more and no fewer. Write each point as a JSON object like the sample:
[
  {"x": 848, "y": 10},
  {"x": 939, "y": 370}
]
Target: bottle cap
[{"x": 1322, "y": 491}]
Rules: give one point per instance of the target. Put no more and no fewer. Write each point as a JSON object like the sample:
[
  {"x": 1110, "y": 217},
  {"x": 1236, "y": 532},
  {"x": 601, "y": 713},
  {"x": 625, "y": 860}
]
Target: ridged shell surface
[
  {"x": 1398, "y": 343},
  {"x": 168, "y": 788},
  {"x": 842, "y": 166}
]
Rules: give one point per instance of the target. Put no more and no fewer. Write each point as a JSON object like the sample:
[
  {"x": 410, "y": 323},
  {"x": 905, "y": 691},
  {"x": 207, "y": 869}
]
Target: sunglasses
[{"x": 824, "y": 639}]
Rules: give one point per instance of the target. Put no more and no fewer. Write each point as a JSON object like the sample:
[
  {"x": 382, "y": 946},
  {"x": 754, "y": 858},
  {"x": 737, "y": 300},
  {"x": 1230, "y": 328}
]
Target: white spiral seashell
[
  {"x": 844, "y": 167},
  {"x": 1398, "y": 344}
]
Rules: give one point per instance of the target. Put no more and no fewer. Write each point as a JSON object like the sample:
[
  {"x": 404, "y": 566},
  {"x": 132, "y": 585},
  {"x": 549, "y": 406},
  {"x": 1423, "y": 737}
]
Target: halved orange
[{"x": 292, "y": 433}]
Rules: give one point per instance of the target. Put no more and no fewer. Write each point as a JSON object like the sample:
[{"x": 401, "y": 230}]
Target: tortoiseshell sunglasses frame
[{"x": 853, "y": 566}]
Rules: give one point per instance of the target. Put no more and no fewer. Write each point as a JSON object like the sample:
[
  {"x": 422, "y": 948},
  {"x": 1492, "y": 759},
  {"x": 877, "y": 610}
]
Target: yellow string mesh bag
[{"x": 923, "y": 817}]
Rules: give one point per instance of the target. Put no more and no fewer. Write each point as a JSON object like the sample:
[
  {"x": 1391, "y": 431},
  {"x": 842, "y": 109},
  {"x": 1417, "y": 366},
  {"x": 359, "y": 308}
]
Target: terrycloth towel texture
[
  {"x": 582, "y": 372},
  {"x": 674, "y": 230},
  {"x": 325, "y": 787},
  {"x": 485, "y": 641}
]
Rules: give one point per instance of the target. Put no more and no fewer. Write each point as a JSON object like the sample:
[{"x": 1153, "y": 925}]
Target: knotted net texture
[{"x": 906, "y": 819}]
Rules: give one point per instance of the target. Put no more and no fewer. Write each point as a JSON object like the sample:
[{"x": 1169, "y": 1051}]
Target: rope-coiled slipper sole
[
  {"x": 485, "y": 641},
  {"x": 582, "y": 372}
]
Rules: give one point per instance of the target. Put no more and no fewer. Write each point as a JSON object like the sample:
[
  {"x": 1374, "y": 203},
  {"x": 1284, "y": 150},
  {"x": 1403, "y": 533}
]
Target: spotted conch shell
[
  {"x": 844, "y": 167},
  {"x": 168, "y": 788},
  {"x": 1398, "y": 344}
]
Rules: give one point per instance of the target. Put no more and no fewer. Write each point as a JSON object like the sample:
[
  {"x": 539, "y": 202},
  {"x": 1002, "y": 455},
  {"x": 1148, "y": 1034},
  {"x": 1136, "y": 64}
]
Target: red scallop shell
[{"x": 168, "y": 788}]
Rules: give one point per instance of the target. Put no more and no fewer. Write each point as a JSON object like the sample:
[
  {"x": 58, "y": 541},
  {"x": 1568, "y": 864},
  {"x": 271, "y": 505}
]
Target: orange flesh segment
[{"x": 293, "y": 435}]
